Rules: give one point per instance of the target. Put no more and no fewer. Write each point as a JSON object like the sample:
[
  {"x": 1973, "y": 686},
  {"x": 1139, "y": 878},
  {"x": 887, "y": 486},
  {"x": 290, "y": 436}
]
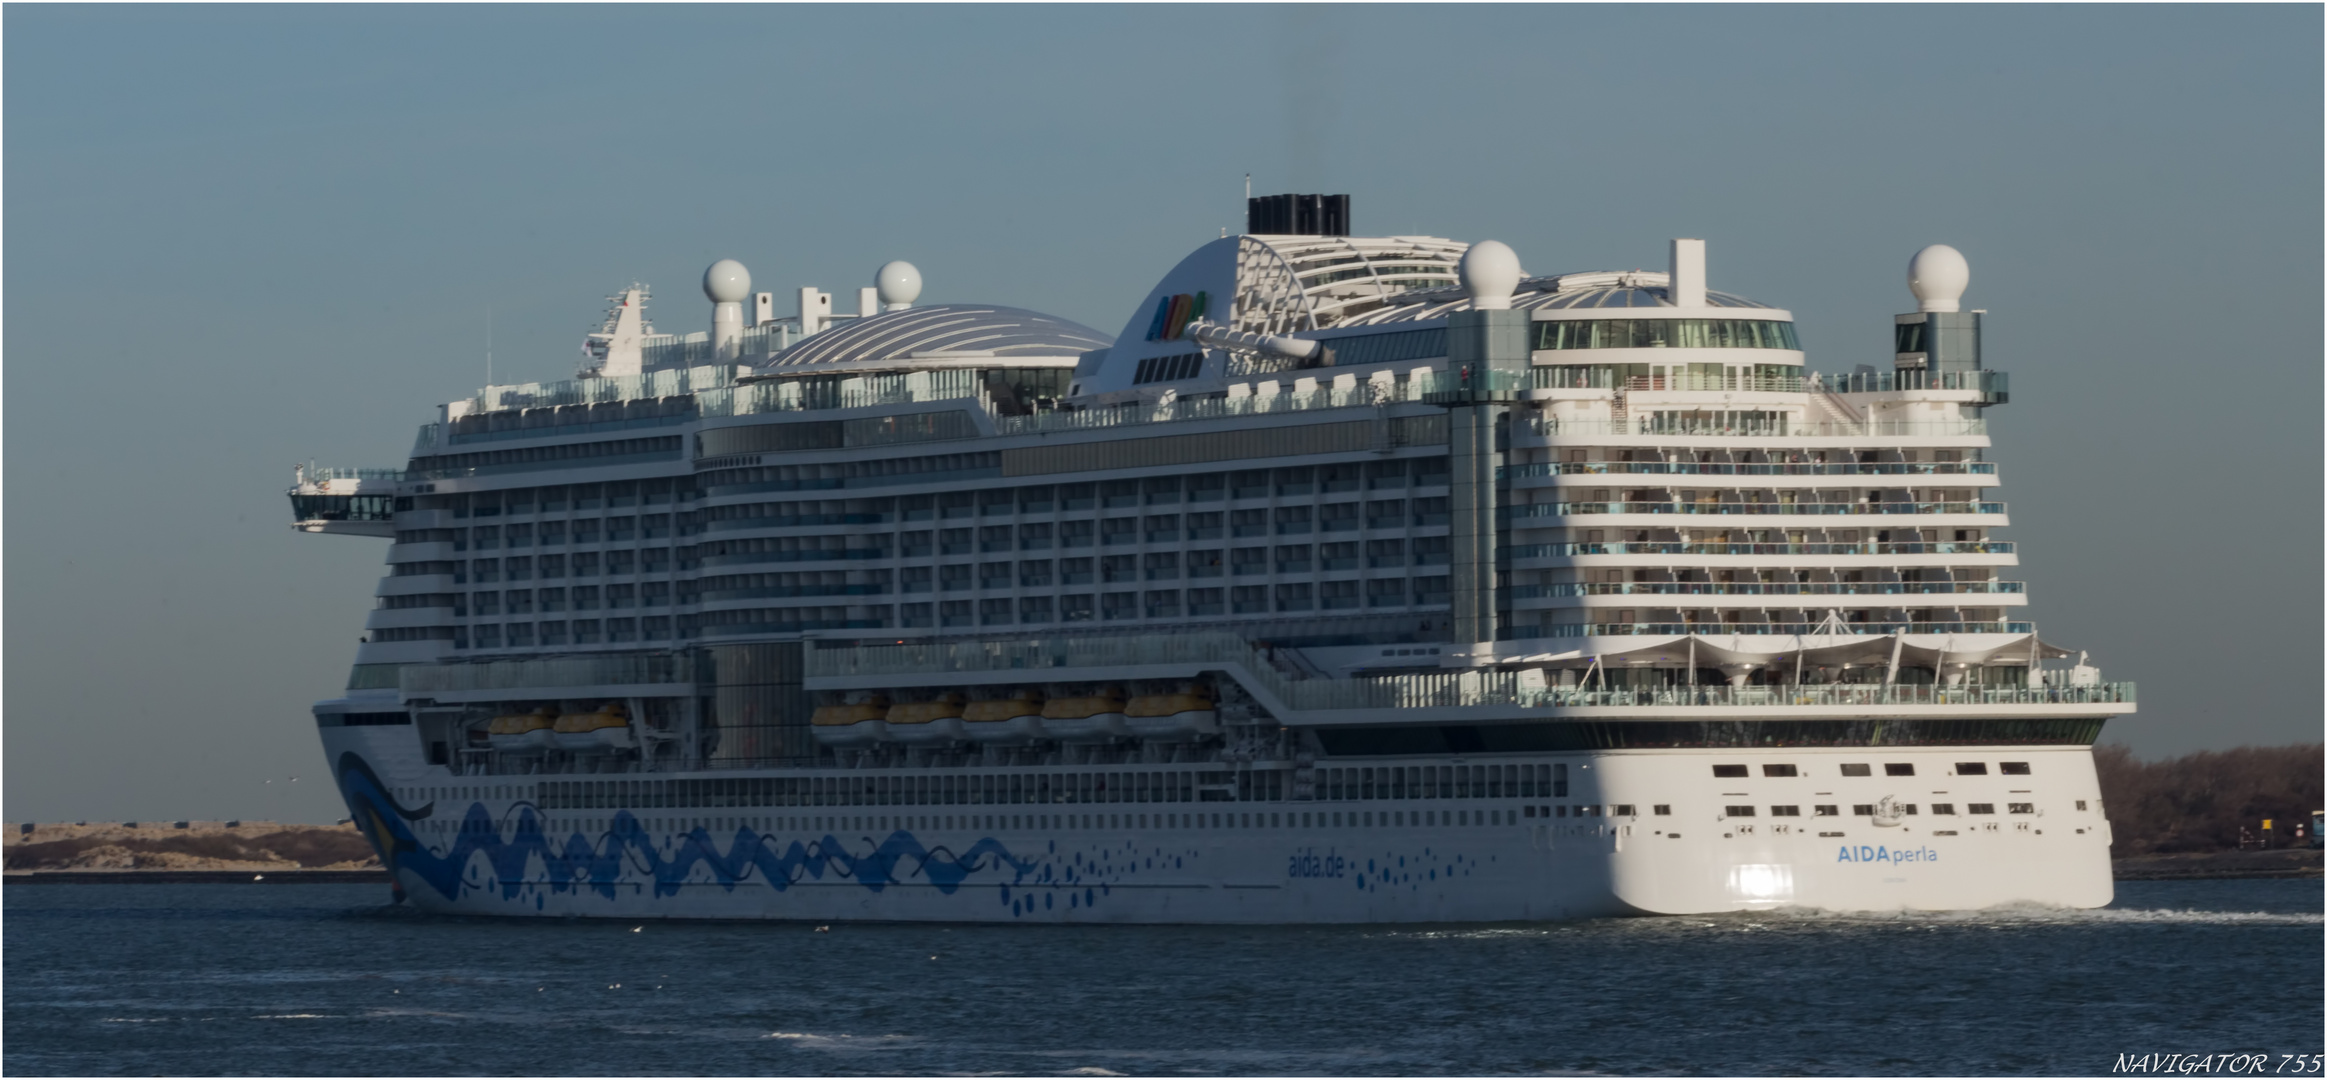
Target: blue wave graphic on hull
[{"x": 580, "y": 863}]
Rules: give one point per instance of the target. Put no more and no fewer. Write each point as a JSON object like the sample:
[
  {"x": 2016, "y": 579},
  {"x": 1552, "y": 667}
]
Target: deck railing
[
  {"x": 1764, "y": 588},
  {"x": 1089, "y": 657},
  {"x": 1668, "y": 547},
  {"x": 1747, "y": 468},
  {"x": 1676, "y": 506}
]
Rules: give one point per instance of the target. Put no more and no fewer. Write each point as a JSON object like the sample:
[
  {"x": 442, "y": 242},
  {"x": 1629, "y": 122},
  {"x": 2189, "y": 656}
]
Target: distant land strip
[{"x": 197, "y": 877}]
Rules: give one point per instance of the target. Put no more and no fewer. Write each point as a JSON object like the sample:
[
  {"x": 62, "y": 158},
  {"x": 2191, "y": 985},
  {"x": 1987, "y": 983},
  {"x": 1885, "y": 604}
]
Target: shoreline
[
  {"x": 196, "y": 877},
  {"x": 2205, "y": 865}
]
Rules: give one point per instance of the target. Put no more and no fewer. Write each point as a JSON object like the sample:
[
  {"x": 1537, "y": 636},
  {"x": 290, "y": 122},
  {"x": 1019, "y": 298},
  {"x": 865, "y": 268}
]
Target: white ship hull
[{"x": 1353, "y": 861}]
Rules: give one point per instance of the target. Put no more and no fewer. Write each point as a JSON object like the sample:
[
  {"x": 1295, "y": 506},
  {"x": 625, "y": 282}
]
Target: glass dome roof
[
  {"x": 1631, "y": 290},
  {"x": 973, "y": 329}
]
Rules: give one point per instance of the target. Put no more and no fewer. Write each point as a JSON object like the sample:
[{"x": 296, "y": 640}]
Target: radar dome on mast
[
  {"x": 1938, "y": 275},
  {"x": 727, "y": 284},
  {"x": 899, "y": 284},
  {"x": 1489, "y": 272}
]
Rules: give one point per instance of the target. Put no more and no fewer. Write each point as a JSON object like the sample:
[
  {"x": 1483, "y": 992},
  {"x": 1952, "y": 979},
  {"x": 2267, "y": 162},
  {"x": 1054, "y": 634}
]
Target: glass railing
[
  {"x": 851, "y": 392},
  {"x": 1871, "y": 429},
  {"x": 1991, "y": 384},
  {"x": 1747, "y": 468},
  {"x": 1840, "y": 694},
  {"x": 670, "y": 382},
  {"x": 1561, "y": 551},
  {"x": 1564, "y": 509},
  {"x": 1804, "y": 629},
  {"x": 315, "y": 474},
  {"x": 422, "y": 679},
  {"x": 1101, "y": 658},
  {"x": 1764, "y": 588}
]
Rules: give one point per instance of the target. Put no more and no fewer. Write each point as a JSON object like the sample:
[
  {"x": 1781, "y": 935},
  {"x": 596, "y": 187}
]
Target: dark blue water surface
[{"x": 326, "y": 979}]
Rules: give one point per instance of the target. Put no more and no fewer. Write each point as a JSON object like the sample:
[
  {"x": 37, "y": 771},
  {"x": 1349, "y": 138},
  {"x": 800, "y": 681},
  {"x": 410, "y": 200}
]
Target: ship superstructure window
[
  {"x": 2013, "y": 768},
  {"x": 1899, "y": 768},
  {"x": 1167, "y": 368},
  {"x": 1943, "y": 808},
  {"x": 1729, "y": 771},
  {"x": 1738, "y": 811},
  {"x": 1666, "y": 334},
  {"x": 1980, "y": 808},
  {"x": 1856, "y": 770},
  {"x": 1778, "y": 770},
  {"x": 1971, "y": 768}
]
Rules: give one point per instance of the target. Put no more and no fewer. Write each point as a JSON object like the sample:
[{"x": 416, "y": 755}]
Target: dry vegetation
[
  {"x": 2199, "y": 801},
  {"x": 200, "y": 846}
]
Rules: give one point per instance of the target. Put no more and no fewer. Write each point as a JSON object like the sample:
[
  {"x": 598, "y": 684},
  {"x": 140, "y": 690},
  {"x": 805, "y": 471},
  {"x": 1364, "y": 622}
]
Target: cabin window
[
  {"x": 1898, "y": 769},
  {"x": 1971, "y": 768},
  {"x": 1856, "y": 770}
]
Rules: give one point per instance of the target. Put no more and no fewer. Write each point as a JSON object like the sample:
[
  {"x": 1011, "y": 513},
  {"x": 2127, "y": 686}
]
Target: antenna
[
  {"x": 488, "y": 345},
  {"x": 1248, "y": 187}
]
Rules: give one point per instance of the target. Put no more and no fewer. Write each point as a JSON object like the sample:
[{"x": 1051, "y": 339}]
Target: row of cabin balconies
[{"x": 1955, "y": 507}]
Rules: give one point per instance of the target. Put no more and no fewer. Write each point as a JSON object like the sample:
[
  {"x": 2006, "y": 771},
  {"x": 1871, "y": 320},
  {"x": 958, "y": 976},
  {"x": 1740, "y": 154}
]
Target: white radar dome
[
  {"x": 1489, "y": 271},
  {"x": 1938, "y": 275},
  {"x": 899, "y": 284},
  {"x": 727, "y": 282}
]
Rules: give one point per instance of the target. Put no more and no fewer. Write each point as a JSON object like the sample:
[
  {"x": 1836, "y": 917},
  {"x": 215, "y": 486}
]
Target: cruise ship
[{"x": 1355, "y": 579}]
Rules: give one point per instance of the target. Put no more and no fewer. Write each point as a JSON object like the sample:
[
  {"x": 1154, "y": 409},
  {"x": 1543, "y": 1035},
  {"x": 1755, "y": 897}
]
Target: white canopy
[{"x": 1814, "y": 650}]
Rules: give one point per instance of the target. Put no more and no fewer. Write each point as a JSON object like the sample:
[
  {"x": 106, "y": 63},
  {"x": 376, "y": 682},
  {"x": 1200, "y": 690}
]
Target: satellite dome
[
  {"x": 899, "y": 284},
  {"x": 1938, "y": 275},
  {"x": 727, "y": 282},
  {"x": 1489, "y": 272}
]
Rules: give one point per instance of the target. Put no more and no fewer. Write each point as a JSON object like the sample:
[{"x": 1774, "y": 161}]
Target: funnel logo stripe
[{"x": 1174, "y": 313}]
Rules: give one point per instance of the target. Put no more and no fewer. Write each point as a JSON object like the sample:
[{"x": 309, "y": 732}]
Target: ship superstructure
[{"x": 1355, "y": 579}]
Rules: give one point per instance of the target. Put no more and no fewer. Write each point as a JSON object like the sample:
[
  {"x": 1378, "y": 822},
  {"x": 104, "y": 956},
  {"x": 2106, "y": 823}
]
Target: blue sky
[{"x": 240, "y": 237}]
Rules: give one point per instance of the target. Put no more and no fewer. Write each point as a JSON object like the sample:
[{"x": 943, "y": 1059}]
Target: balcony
[
  {"x": 1768, "y": 588},
  {"x": 1862, "y": 509},
  {"x": 347, "y": 502},
  {"x": 1562, "y": 551},
  {"x": 1389, "y": 698},
  {"x": 1804, "y": 629},
  {"x": 1772, "y": 468},
  {"x": 1553, "y": 427},
  {"x": 1993, "y": 387}
]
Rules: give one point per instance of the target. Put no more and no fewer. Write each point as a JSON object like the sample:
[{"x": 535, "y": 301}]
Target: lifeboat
[
  {"x": 1098, "y": 718},
  {"x": 859, "y": 723},
  {"x": 1188, "y": 714},
  {"x": 935, "y": 721},
  {"x": 595, "y": 732},
  {"x": 1005, "y": 721},
  {"x": 522, "y": 733}
]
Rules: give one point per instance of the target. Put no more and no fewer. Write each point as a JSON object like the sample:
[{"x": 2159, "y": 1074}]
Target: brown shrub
[
  {"x": 2199, "y": 801},
  {"x": 317, "y": 847}
]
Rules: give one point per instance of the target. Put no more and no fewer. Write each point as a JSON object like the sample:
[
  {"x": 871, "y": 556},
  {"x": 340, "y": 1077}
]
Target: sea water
[{"x": 239, "y": 979}]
